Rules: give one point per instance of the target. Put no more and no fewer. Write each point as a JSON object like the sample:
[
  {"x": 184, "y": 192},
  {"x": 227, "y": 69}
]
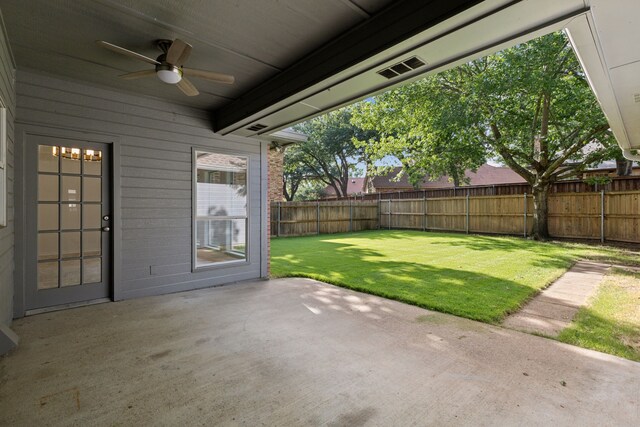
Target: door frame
[{"x": 22, "y": 133}]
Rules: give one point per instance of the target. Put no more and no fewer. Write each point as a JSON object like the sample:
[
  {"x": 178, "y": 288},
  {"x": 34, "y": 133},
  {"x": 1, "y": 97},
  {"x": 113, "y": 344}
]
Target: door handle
[{"x": 106, "y": 228}]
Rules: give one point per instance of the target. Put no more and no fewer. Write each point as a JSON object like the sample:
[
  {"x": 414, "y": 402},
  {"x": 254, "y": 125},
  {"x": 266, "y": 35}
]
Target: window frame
[
  {"x": 4, "y": 165},
  {"x": 194, "y": 210}
]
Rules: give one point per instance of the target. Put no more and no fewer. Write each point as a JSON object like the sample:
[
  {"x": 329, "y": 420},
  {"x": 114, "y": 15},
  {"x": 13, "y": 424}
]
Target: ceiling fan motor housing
[{"x": 164, "y": 44}]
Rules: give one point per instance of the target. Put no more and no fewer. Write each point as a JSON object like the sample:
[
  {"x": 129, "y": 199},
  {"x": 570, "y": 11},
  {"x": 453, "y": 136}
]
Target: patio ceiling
[
  {"x": 253, "y": 40},
  {"x": 294, "y": 59}
]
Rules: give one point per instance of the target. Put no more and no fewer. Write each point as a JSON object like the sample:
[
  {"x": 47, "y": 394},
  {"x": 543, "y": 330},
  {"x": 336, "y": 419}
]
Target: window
[
  {"x": 3, "y": 164},
  {"x": 220, "y": 208}
]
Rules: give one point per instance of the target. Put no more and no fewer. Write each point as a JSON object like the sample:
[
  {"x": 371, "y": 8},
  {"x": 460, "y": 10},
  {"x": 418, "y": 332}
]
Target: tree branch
[
  {"x": 508, "y": 157},
  {"x": 573, "y": 149}
]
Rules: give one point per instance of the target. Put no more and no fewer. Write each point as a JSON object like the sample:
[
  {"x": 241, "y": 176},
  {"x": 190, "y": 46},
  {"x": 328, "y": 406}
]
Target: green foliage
[
  {"x": 598, "y": 180},
  {"x": 479, "y": 277},
  {"x": 311, "y": 190},
  {"x": 331, "y": 152},
  {"x": 414, "y": 126}
]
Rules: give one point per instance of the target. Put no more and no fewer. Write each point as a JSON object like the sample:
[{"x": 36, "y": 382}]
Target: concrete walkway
[
  {"x": 297, "y": 352},
  {"x": 554, "y": 308}
]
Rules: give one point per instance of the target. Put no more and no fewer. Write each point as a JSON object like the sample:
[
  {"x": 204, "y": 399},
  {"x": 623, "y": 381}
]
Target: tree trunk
[{"x": 541, "y": 211}]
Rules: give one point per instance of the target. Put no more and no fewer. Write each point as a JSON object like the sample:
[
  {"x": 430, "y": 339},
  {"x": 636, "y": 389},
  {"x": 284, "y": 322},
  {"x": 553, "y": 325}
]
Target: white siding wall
[
  {"x": 7, "y": 92},
  {"x": 155, "y": 140}
]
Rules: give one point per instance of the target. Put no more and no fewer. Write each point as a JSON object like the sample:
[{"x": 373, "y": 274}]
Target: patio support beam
[{"x": 394, "y": 24}]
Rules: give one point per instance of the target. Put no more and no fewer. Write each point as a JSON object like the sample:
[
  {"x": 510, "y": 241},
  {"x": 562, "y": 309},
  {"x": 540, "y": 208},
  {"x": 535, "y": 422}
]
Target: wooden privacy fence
[
  {"x": 306, "y": 218},
  {"x": 603, "y": 216}
]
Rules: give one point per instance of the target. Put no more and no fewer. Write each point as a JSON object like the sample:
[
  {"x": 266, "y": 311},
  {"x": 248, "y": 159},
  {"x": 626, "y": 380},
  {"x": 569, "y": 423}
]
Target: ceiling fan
[{"x": 168, "y": 66}]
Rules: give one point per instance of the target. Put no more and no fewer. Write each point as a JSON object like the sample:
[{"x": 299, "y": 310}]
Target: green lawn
[
  {"x": 479, "y": 277},
  {"x": 611, "y": 321}
]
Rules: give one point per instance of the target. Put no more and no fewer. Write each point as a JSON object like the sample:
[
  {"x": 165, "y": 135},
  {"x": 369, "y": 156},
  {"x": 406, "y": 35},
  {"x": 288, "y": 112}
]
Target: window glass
[{"x": 221, "y": 208}]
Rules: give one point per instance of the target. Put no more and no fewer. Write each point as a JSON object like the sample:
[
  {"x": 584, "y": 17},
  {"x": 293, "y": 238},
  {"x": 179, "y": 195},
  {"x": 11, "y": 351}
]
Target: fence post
[
  {"x": 424, "y": 211},
  {"x": 389, "y": 214},
  {"x": 602, "y": 216},
  {"x": 525, "y": 215},
  {"x": 467, "y": 216},
  {"x": 318, "y": 217},
  {"x": 379, "y": 212},
  {"x": 278, "y": 230},
  {"x": 350, "y": 215}
]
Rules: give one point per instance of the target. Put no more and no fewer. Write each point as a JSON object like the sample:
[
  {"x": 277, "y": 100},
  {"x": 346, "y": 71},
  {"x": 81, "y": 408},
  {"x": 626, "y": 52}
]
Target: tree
[
  {"x": 412, "y": 126},
  {"x": 531, "y": 105},
  {"x": 295, "y": 172},
  {"x": 311, "y": 190},
  {"x": 330, "y": 153}
]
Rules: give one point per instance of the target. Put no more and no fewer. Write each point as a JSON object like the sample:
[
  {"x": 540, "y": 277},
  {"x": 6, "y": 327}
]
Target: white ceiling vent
[
  {"x": 636, "y": 97},
  {"x": 257, "y": 127},
  {"x": 405, "y": 66}
]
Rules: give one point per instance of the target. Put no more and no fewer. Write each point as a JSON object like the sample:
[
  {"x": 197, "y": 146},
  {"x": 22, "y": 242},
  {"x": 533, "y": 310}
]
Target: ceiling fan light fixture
[{"x": 169, "y": 74}]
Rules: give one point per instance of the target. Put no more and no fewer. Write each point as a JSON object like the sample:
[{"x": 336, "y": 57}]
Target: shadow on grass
[
  {"x": 464, "y": 293},
  {"x": 592, "y": 331}
]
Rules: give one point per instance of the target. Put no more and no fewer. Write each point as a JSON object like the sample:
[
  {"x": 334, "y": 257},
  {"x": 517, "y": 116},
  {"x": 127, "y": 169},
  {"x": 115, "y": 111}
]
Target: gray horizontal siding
[
  {"x": 7, "y": 241},
  {"x": 155, "y": 140}
]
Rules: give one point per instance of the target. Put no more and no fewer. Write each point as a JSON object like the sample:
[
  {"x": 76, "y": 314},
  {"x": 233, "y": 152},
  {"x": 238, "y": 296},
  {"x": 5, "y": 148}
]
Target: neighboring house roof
[
  {"x": 218, "y": 161},
  {"x": 485, "y": 175},
  {"x": 355, "y": 186}
]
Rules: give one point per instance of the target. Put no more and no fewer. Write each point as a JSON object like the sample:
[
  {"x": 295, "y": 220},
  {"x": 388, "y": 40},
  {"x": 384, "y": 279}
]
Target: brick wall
[
  {"x": 276, "y": 157},
  {"x": 274, "y": 192}
]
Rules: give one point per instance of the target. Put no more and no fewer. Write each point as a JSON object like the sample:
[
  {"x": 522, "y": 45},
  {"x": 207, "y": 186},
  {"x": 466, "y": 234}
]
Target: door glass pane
[
  {"x": 70, "y": 158},
  {"x": 70, "y": 189},
  {"x": 47, "y": 217},
  {"x": 92, "y": 270},
  {"x": 47, "y": 158},
  {"x": 47, "y": 275},
  {"x": 92, "y": 162},
  {"x": 92, "y": 189},
  {"x": 92, "y": 216},
  {"x": 70, "y": 271},
  {"x": 47, "y": 246},
  {"x": 70, "y": 244},
  {"x": 70, "y": 216},
  {"x": 48, "y": 188},
  {"x": 91, "y": 244}
]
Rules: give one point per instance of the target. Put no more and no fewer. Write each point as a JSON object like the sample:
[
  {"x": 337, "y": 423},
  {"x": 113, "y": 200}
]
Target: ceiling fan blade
[
  {"x": 127, "y": 52},
  {"x": 138, "y": 74},
  {"x": 187, "y": 87},
  {"x": 209, "y": 75},
  {"x": 178, "y": 52}
]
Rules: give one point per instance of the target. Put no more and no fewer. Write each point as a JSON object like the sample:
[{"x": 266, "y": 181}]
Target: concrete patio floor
[{"x": 299, "y": 352}]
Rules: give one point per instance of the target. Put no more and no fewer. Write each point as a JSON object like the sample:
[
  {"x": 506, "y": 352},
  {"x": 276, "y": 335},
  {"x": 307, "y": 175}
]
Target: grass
[
  {"x": 478, "y": 277},
  {"x": 611, "y": 321}
]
